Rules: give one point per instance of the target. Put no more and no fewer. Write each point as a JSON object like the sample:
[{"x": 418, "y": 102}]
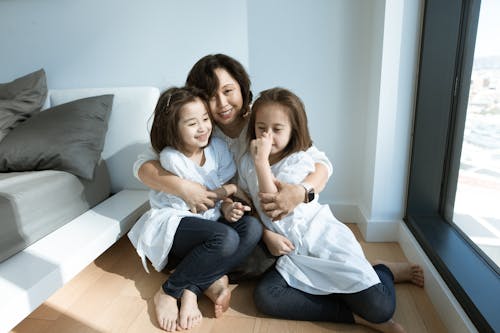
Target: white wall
[
  {"x": 324, "y": 54},
  {"x": 101, "y": 43},
  {"x": 351, "y": 61}
]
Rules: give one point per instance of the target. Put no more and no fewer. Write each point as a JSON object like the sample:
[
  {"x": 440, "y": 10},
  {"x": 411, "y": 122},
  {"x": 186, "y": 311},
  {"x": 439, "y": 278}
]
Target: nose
[{"x": 220, "y": 99}]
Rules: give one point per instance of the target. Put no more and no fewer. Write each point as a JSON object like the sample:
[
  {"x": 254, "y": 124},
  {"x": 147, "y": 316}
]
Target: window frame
[{"x": 446, "y": 58}]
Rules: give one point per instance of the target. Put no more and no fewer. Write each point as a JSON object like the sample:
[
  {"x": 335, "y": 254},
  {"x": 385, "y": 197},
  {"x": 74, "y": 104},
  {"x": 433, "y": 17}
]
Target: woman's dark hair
[
  {"x": 300, "y": 140},
  {"x": 202, "y": 76},
  {"x": 165, "y": 130}
]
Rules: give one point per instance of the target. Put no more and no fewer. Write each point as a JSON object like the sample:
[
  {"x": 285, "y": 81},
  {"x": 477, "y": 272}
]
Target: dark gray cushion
[
  {"x": 21, "y": 99},
  {"x": 68, "y": 137}
]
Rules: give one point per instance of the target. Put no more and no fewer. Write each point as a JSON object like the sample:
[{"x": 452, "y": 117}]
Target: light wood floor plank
[{"x": 115, "y": 294}]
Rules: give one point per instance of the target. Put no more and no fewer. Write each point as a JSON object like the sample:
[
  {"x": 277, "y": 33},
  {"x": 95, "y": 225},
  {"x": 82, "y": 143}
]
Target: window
[
  {"x": 476, "y": 208},
  {"x": 446, "y": 59}
]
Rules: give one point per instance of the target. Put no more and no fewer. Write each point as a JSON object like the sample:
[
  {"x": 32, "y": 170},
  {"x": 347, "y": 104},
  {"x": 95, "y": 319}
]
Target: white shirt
[{"x": 327, "y": 257}]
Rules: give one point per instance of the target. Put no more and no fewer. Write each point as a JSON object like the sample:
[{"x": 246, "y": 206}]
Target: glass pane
[{"x": 477, "y": 202}]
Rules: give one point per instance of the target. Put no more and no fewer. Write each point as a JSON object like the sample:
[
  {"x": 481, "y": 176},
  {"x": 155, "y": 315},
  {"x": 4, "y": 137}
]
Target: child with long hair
[
  {"x": 325, "y": 275},
  {"x": 208, "y": 244}
]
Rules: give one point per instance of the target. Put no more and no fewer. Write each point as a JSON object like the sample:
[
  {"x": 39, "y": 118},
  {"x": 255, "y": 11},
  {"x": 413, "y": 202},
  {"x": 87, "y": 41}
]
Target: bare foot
[
  {"x": 405, "y": 272},
  {"x": 220, "y": 294},
  {"x": 388, "y": 327},
  {"x": 166, "y": 311},
  {"x": 189, "y": 314}
]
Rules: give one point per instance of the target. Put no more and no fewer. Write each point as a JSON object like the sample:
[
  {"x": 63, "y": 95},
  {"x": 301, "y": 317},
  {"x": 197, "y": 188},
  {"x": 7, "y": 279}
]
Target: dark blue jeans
[
  {"x": 273, "y": 296},
  {"x": 206, "y": 250}
]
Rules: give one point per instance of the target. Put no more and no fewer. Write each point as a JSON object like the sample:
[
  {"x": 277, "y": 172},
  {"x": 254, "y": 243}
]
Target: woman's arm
[
  {"x": 196, "y": 196},
  {"x": 278, "y": 205}
]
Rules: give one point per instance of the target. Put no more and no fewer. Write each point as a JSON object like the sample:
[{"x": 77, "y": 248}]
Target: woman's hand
[
  {"x": 233, "y": 211},
  {"x": 277, "y": 244},
  {"x": 197, "y": 197},
  {"x": 278, "y": 205}
]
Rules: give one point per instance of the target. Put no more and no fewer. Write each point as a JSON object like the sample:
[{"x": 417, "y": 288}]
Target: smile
[
  {"x": 225, "y": 113},
  {"x": 202, "y": 137}
]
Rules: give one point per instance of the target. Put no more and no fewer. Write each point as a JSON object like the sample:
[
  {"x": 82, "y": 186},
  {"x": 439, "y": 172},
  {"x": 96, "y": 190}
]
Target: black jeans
[
  {"x": 206, "y": 250},
  {"x": 273, "y": 296}
]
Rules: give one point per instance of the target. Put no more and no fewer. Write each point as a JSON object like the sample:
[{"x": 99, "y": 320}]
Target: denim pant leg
[
  {"x": 273, "y": 296},
  {"x": 249, "y": 230},
  {"x": 377, "y": 303},
  {"x": 204, "y": 248}
]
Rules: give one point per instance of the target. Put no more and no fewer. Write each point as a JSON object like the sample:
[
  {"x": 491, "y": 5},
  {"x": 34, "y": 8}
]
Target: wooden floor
[{"x": 114, "y": 294}]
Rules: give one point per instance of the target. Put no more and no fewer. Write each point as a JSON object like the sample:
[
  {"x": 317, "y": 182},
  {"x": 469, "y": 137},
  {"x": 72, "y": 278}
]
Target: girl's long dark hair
[
  {"x": 300, "y": 138},
  {"x": 165, "y": 130}
]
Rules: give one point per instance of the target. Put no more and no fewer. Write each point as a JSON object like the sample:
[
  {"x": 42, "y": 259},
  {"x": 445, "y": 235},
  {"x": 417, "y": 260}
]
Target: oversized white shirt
[
  {"x": 327, "y": 257},
  {"x": 153, "y": 234}
]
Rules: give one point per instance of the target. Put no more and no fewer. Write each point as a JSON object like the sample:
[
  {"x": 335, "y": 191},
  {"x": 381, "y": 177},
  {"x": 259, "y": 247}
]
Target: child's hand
[
  {"x": 261, "y": 148},
  {"x": 233, "y": 211},
  {"x": 226, "y": 191},
  {"x": 277, "y": 244}
]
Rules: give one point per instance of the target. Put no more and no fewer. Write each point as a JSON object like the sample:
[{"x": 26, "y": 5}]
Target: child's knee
[
  {"x": 255, "y": 228},
  {"x": 230, "y": 242}
]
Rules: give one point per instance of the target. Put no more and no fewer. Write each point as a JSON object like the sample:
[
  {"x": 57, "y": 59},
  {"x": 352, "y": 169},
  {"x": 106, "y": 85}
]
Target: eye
[
  {"x": 262, "y": 129},
  {"x": 227, "y": 91}
]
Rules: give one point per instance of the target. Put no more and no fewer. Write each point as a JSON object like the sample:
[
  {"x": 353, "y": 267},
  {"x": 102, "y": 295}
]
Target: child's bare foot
[
  {"x": 189, "y": 314},
  {"x": 166, "y": 311},
  {"x": 220, "y": 294},
  {"x": 388, "y": 327},
  {"x": 405, "y": 272}
]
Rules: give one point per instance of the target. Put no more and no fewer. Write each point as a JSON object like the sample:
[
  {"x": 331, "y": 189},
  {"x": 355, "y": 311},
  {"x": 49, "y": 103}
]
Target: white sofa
[{"x": 29, "y": 277}]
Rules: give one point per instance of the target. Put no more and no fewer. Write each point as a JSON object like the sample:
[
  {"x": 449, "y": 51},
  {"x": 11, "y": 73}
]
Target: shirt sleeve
[
  {"x": 320, "y": 157},
  {"x": 147, "y": 155}
]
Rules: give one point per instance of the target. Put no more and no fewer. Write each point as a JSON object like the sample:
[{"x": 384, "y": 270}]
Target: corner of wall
[{"x": 372, "y": 230}]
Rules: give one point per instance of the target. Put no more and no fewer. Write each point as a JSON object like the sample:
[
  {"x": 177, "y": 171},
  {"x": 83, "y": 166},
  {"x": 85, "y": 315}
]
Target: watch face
[{"x": 310, "y": 195}]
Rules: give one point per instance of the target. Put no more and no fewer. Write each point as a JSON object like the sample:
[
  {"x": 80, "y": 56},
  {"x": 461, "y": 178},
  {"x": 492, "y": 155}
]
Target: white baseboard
[{"x": 372, "y": 231}]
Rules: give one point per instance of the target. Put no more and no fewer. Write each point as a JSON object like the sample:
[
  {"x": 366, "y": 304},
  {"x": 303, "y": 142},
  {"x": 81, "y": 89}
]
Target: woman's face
[{"x": 226, "y": 105}]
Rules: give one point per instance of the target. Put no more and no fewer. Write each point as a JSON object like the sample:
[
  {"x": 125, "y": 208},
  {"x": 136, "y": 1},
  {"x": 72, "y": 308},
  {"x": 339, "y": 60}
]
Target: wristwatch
[{"x": 309, "y": 195}]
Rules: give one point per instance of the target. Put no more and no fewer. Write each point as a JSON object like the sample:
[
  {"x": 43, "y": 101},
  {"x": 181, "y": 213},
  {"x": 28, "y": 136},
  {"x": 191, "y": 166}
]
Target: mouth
[
  {"x": 203, "y": 137},
  {"x": 226, "y": 113}
]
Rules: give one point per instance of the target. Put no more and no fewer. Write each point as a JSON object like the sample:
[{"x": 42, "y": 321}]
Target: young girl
[
  {"x": 181, "y": 134},
  {"x": 325, "y": 275}
]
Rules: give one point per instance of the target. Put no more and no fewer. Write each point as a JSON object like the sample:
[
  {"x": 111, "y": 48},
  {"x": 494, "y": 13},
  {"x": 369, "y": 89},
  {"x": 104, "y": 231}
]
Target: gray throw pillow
[
  {"x": 21, "y": 99},
  {"x": 68, "y": 137}
]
